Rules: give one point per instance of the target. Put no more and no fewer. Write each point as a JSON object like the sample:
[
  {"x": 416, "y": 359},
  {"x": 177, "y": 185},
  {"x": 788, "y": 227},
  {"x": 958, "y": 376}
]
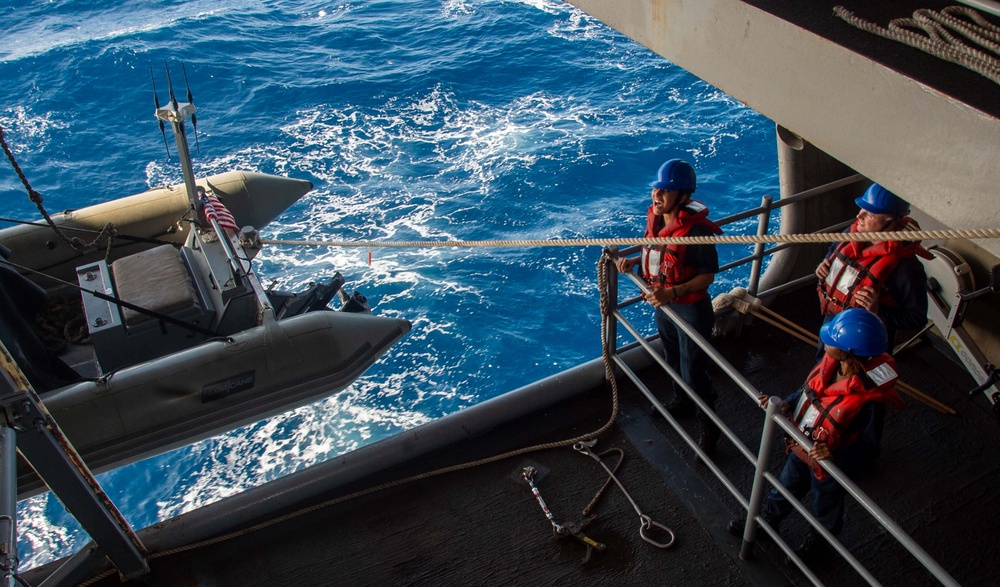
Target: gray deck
[{"x": 482, "y": 526}]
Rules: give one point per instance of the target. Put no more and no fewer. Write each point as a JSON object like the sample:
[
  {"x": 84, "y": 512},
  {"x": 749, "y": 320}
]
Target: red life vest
[
  {"x": 857, "y": 264},
  {"x": 663, "y": 265},
  {"x": 826, "y": 407}
]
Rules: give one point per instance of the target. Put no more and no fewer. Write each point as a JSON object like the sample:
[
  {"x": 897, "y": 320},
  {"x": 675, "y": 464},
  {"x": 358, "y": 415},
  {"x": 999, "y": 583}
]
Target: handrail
[
  {"x": 866, "y": 502},
  {"x": 733, "y": 264},
  {"x": 760, "y": 462},
  {"x": 757, "y": 259},
  {"x": 792, "y": 199},
  {"x": 729, "y": 370}
]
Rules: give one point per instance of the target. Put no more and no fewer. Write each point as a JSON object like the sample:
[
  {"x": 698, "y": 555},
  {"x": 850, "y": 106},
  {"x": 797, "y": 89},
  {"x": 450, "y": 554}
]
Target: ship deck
[{"x": 481, "y": 525}]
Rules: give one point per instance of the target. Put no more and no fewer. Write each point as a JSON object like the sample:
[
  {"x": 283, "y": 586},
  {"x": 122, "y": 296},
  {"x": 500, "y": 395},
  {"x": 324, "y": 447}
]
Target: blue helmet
[
  {"x": 879, "y": 200},
  {"x": 856, "y": 331},
  {"x": 675, "y": 174}
]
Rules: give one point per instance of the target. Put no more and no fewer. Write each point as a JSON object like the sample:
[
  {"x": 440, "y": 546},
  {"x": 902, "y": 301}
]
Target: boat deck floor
[{"x": 936, "y": 477}]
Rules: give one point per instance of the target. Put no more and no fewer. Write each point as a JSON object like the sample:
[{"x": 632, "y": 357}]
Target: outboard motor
[{"x": 356, "y": 303}]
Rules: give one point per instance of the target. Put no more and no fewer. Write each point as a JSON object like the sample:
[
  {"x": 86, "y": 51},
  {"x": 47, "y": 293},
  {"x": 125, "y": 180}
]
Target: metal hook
[{"x": 646, "y": 523}]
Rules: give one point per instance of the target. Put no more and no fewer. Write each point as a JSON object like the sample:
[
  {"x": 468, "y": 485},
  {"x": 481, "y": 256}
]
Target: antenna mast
[{"x": 176, "y": 113}]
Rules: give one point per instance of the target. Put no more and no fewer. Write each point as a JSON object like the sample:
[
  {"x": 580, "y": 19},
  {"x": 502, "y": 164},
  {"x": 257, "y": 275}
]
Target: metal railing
[{"x": 760, "y": 461}]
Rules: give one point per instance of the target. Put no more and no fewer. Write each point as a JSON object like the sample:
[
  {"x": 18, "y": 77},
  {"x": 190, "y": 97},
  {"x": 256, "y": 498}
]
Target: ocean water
[{"x": 415, "y": 120}]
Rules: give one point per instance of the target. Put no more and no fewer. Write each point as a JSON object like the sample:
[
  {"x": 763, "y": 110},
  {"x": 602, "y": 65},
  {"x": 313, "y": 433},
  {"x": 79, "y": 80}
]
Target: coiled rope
[
  {"x": 821, "y": 237},
  {"x": 606, "y": 314},
  {"x": 939, "y": 34}
]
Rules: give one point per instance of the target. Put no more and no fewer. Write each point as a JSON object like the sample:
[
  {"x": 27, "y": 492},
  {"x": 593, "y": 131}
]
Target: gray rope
[
  {"x": 822, "y": 237},
  {"x": 931, "y": 32}
]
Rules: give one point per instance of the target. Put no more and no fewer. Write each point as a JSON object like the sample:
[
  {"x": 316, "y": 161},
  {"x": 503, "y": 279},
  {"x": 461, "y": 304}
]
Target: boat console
[
  {"x": 159, "y": 280},
  {"x": 166, "y": 299}
]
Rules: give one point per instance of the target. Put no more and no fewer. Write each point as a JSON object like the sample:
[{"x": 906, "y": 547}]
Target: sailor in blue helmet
[
  {"x": 679, "y": 275},
  {"x": 841, "y": 408},
  {"x": 884, "y": 277}
]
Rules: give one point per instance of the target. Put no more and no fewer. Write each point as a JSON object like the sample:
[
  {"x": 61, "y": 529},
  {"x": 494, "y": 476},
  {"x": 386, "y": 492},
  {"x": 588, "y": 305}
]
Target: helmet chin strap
[
  {"x": 891, "y": 225},
  {"x": 678, "y": 203}
]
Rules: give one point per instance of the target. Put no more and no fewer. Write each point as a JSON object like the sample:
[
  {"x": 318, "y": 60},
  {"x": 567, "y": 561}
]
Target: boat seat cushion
[{"x": 157, "y": 280}]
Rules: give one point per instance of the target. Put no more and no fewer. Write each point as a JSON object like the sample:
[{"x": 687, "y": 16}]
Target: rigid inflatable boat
[{"x": 182, "y": 340}]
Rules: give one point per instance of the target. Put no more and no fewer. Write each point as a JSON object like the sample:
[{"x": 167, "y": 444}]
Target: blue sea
[{"x": 415, "y": 120}]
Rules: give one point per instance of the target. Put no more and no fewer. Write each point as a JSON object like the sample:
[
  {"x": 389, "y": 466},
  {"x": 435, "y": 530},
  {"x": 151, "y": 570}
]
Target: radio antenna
[
  {"x": 194, "y": 117},
  {"x": 156, "y": 100}
]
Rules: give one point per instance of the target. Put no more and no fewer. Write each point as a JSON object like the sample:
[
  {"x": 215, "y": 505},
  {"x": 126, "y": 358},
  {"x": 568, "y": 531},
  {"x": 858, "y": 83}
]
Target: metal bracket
[
  {"x": 992, "y": 376},
  {"x": 559, "y": 531},
  {"x": 947, "y": 315},
  {"x": 46, "y": 448},
  {"x": 575, "y": 529}
]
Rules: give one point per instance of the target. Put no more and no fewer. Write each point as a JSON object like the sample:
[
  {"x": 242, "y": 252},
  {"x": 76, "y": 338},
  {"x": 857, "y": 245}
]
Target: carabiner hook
[
  {"x": 585, "y": 446},
  {"x": 646, "y": 523}
]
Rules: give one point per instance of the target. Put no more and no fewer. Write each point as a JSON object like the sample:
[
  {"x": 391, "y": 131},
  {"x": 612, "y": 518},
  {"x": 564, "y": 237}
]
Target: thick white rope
[
  {"x": 990, "y": 6},
  {"x": 938, "y": 33},
  {"x": 823, "y": 237}
]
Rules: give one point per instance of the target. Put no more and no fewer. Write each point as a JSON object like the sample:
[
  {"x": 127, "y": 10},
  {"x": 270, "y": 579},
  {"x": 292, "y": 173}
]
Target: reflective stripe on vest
[
  {"x": 853, "y": 265},
  {"x": 824, "y": 410},
  {"x": 663, "y": 265}
]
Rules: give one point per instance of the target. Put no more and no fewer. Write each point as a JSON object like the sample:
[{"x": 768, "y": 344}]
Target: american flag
[{"x": 214, "y": 210}]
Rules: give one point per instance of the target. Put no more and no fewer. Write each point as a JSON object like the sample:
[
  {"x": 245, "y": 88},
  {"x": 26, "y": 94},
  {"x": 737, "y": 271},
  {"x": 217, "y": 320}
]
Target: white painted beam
[{"x": 938, "y": 153}]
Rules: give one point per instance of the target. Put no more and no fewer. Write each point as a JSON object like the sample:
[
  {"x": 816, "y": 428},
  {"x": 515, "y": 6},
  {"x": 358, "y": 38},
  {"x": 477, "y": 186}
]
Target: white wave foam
[
  {"x": 547, "y": 6},
  {"x": 42, "y": 535},
  {"x": 287, "y": 443},
  {"x": 424, "y": 166},
  {"x": 26, "y": 131}
]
